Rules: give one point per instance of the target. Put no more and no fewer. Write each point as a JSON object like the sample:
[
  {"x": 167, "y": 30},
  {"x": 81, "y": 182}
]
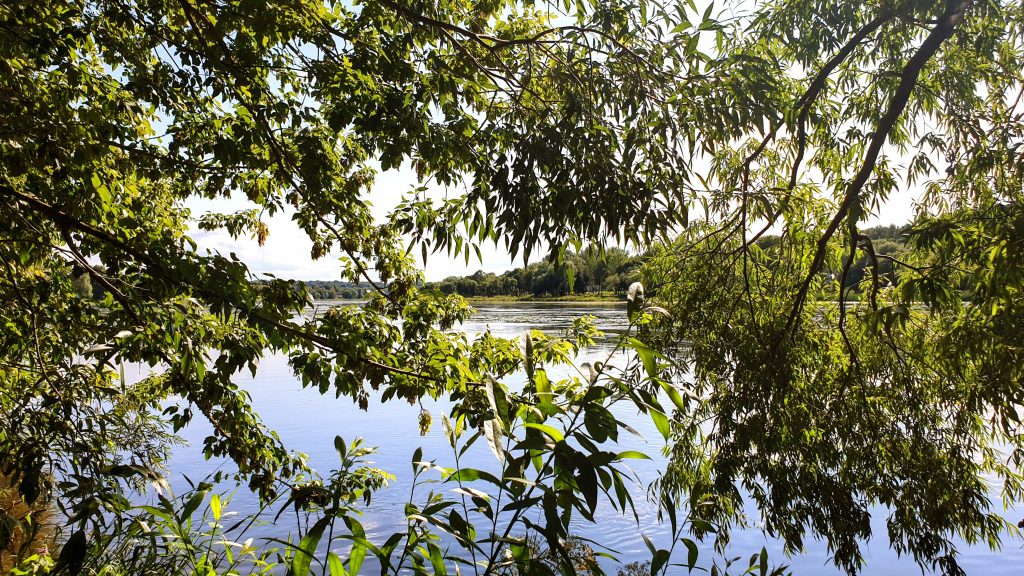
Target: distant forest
[
  {"x": 590, "y": 271},
  {"x": 586, "y": 272},
  {"x": 887, "y": 241},
  {"x": 319, "y": 289},
  {"x": 334, "y": 290}
]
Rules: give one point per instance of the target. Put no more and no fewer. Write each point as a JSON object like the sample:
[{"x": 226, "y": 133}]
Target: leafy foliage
[
  {"x": 821, "y": 410},
  {"x": 560, "y": 125},
  {"x": 116, "y": 112}
]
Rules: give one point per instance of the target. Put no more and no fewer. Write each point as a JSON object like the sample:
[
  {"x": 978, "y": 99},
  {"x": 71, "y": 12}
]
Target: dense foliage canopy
[{"x": 549, "y": 126}]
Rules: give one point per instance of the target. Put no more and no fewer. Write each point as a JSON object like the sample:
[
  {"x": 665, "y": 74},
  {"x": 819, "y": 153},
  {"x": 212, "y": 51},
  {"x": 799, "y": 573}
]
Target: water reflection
[{"x": 308, "y": 422}]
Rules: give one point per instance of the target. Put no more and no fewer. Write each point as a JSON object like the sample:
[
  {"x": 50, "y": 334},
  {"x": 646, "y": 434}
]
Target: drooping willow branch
[
  {"x": 818, "y": 84},
  {"x": 804, "y": 104},
  {"x": 946, "y": 27}
]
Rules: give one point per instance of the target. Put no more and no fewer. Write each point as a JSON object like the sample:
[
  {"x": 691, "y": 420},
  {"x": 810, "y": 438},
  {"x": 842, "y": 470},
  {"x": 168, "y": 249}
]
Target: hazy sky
[{"x": 286, "y": 251}]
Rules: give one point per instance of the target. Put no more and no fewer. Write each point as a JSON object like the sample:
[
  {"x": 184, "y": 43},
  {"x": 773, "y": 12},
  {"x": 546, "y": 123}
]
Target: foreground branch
[
  {"x": 947, "y": 25},
  {"x": 65, "y": 221}
]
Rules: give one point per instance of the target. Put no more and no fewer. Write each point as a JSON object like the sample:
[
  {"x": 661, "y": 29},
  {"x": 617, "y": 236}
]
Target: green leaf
[
  {"x": 650, "y": 545},
  {"x": 472, "y": 474},
  {"x": 586, "y": 478},
  {"x": 72, "y": 554},
  {"x": 496, "y": 398},
  {"x": 544, "y": 393},
  {"x": 437, "y": 560},
  {"x": 658, "y": 561},
  {"x": 600, "y": 423},
  {"x": 673, "y": 394},
  {"x": 336, "y": 565},
  {"x": 417, "y": 457},
  {"x": 692, "y": 553},
  {"x": 551, "y": 431},
  {"x": 356, "y": 556},
  {"x": 101, "y": 189},
  {"x": 192, "y": 504},
  {"x": 493, "y": 433},
  {"x": 660, "y": 421},
  {"x": 388, "y": 548},
  {"x": 306, "y": 548},
  {"x": 215, "y": 507},
  {"x": 8, "y": 526},
  {"x": 647, "y": 356},
  {"x": 358, "y": 551}
]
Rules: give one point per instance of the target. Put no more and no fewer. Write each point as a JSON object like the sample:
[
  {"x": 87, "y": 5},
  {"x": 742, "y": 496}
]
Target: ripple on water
[{"x": 308, "y": 422}]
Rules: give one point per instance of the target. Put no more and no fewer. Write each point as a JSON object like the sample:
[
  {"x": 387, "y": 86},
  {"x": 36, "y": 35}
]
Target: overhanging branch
[
  {"x": 947, "y": 25},
  {"x": 65, "y": 222}
]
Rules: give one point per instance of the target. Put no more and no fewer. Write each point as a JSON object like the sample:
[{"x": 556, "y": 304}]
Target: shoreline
[{"x": 600, "y": 298}]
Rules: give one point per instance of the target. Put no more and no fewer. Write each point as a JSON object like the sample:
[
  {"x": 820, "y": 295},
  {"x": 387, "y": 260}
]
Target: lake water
[{"x": 308, "y": 422}]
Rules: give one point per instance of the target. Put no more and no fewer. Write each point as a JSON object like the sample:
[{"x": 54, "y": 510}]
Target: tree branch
[
  {"x": 66, "y": 221},
  {"x": 818, "y": 84},
  {"x": 804, "y": 103},
  {"x": 948, "y": 23}
]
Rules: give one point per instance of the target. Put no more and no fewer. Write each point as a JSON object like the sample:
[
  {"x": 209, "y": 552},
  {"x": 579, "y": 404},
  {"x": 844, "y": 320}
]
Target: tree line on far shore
[
  {"x": 335, "y": 290},
  {"x": 593, "y": 271},
  {"x": 589, "y": 271},
  {"x": 90, "y": 289}
]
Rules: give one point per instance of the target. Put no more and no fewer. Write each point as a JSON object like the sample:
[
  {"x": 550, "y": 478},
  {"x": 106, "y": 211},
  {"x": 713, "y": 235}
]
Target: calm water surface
[{"x": 308, "y": 422}]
